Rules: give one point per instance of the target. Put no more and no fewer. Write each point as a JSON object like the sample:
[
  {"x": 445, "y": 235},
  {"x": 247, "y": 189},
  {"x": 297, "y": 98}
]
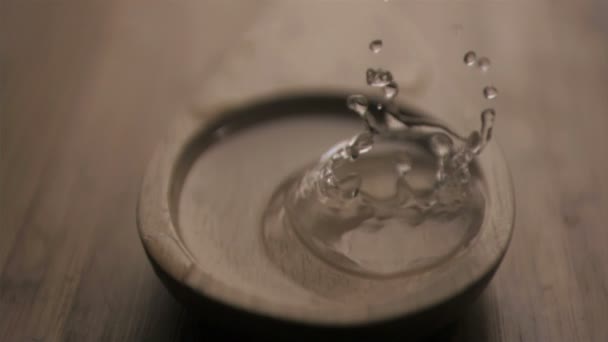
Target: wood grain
[{"x": 86, "y": 89}]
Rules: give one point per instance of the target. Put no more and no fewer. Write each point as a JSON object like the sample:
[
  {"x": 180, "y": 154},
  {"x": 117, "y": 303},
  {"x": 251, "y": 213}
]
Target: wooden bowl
[{"x": 221, "y": 272}]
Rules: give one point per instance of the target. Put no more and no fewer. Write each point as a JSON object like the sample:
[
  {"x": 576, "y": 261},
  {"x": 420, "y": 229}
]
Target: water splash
[
  {"x": 387, "y": 178},
  {"x": 452, "y": 152}
]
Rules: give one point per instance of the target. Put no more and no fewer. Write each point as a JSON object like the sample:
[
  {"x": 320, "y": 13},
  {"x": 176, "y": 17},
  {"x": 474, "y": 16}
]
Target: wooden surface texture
[{"x": 88, "y": 87}]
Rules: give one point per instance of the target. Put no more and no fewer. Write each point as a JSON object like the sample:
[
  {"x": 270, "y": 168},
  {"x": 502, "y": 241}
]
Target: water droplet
[
  {"x": 378, "y": 77},
  {"x": 391, "y": 90},
  {"x": 358, "y": 104},
  {"x": 441, "y": 144},
  {"x": 470, "y": 58},
  {"x": 375, "y": 46},
  {"x": 380, "y": 106},
  {"x": 490, "y": 92},
  {"x": 484, "y": 63}
]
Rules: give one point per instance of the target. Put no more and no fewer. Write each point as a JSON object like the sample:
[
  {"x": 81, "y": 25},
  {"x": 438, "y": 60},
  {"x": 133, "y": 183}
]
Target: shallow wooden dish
[{"x": 237, "y": 289}]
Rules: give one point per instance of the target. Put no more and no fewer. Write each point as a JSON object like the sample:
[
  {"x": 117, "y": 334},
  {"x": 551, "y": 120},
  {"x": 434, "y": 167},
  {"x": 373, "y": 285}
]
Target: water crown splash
[{"x": 369, "y": 196}]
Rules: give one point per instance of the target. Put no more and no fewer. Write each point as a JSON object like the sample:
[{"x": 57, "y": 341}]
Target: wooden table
[{"x": 87, "y": 87}]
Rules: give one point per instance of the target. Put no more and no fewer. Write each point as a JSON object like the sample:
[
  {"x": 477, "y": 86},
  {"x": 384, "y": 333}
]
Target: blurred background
[{"x": 88, "y": 88}]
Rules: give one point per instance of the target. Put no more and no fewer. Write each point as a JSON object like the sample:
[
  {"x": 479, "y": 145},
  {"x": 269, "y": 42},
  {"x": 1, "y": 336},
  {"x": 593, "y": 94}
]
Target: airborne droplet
[
  {"x": 489, "y": 92},
  {"x": 484, "y": 64},
  {"x": 375, "y": 46},
  {"x": 470, "y": 58}
]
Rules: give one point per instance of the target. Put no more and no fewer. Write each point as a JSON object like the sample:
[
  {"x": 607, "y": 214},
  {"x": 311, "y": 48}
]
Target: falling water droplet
[
  {"x": 441, "y": 144},
  {"x": 358, "y": 104},
  {"x": 391, "y": 90},
  {"x": 380, "y": 106},
  {"x": 375, "y": 46},
  {"x": 470, "y": 58},
  {"x": 489, "y": 92},
  {"x": 378, "y": 77},
  {"x": 484, "y": 63}
]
